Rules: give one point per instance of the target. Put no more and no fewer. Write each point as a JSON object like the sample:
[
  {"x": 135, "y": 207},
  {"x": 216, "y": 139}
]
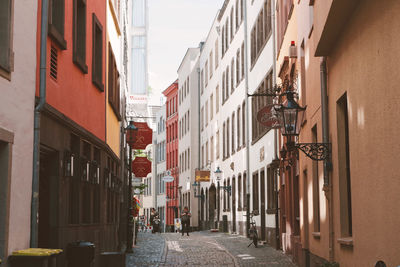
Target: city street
[{"x": 202, "y": 249}]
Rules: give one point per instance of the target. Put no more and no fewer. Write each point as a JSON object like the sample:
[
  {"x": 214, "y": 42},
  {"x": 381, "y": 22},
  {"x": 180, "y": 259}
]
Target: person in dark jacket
[
  {"x": 185, "y": 219},
  {"x": 153, "y": 217}
]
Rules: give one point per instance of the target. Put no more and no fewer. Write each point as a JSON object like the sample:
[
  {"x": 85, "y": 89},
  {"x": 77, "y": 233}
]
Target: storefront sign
[
  {"x": 168, "y": 178},
  {"x": 268, "y": 116},
  {"x": 144, "y": 135},
  {"x": 202, "y": 176},
  {"x": 141, "y": 166}
]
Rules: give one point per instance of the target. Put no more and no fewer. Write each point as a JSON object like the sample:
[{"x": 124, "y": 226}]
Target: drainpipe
[
  {"x": 276, "y": 139},
  {"x": 246, "y": 79},
  {"x": 327, "y": 162},
  {"x": 36, "y": 133}
]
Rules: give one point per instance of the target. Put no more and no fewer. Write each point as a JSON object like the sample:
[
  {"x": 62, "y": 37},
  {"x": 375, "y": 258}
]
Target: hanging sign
[
  {"x": 141, "y": 166},
  {"x": 168, "y": 178},
  {"x": 144, "y": 135},
  {"x": 202, "y": 176},
  {"x": 268, "y": 116}
]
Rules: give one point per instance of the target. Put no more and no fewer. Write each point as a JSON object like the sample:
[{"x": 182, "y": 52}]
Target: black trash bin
[
  {"x": 80, "y": 254},
  {"x": 225, "y": 223}
]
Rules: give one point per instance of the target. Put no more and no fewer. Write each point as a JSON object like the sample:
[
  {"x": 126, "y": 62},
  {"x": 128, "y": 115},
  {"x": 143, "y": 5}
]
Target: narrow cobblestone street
[{"x": 202, "y": 249}]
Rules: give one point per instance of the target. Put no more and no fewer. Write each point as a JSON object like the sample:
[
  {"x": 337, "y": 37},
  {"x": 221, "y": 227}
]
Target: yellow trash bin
[{"x": 35, "y": 257}]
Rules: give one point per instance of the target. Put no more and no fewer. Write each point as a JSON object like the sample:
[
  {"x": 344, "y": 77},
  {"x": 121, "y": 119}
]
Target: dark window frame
[
  {"x": 113, "y": 84},
  {"x": 79, "y": 35},
  {"x": 8, "y": 65},
  {"x": 56, "y": 23},
  {"x": 97, "y": 53}
]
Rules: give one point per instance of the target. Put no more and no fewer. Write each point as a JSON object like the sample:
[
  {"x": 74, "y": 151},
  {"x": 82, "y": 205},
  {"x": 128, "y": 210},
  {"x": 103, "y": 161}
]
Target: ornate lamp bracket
[{"x": 315, "y": 151}]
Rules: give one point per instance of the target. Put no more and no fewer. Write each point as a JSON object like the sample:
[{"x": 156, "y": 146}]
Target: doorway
[
  {"x": 212, "y": 206},
  {"x": 48, "y": 198},
  {"x": 233, "y": 205},
  {"x": 262, "y": 209}
]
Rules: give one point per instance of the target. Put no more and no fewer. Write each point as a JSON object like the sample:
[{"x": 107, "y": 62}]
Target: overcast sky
[{"x": 174, "y": 26}]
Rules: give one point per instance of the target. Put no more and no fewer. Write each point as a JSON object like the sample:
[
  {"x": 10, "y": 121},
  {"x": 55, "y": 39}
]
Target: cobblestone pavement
[
  {"x": 148, "y": 250},
  {"x": 203, "y": 249}
]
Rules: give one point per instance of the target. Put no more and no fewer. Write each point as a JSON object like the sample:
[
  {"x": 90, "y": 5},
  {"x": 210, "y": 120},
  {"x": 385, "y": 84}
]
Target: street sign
[
  {"x": 268, "y": 116},
  {"x": 136, "y": 181},
  {"x": 168, "y": 178}
]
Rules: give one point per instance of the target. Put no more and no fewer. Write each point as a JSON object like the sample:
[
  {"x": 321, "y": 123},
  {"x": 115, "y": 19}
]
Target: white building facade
[{"x": 188, "y": 133}]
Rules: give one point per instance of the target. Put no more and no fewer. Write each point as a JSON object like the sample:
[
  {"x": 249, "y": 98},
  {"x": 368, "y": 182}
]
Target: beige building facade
[
  {"x": 348, "y": 204},
  {"x": 17, "y": 87}
]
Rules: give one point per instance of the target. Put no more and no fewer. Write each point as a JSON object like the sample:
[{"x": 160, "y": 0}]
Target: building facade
[
  {"x": 81, "y": 181},
  {"x": 160, "y": 161},
  {"x": 188, "y": 131},
  {"x": 17, "y": 84},
  {"x": 172, "y": 117}
]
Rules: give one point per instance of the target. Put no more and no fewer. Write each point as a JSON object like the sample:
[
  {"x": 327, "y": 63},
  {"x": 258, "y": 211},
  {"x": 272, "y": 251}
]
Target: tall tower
[{"x": 138, "y": 68}]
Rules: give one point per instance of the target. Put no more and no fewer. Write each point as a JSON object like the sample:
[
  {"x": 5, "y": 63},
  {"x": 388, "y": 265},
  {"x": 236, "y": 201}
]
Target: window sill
[
  {"x": 316, "y": 235},
  {"x": 345, "y": 241},
  {"x": 57, "y": 37},
  {"x": 99, "y": 85},
  {"x": 81, "y": 65},
  {"x": 5, "y": 74}
]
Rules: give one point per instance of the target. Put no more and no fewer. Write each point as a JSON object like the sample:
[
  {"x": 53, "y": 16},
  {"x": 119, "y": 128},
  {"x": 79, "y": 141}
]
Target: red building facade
[
  {"x": 80, "y": 178},
  {"x": 172, "y": 152}
]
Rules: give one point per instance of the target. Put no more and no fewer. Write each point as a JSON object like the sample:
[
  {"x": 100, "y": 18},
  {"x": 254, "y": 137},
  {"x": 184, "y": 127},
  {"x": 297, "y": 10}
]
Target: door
[
  {"x": 212, "y": 206},
  {"x": 233, "y": 205},
  {"x": 262, "y": 208},
  {"x": 48, "y": 199}
]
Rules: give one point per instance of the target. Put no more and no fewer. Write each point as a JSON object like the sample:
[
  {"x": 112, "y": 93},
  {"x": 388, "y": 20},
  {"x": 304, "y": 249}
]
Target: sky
[{"x": 174, "y": 26}]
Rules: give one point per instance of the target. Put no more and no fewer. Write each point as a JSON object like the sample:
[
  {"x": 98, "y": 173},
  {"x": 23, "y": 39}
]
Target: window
[
  {"x": 232, "y": 25},
  {"x": 228, "y": 153},
  {"x": 206, "y": 114},
  {"x": 244, "y": 191},
  {"x": 206, "y": 73},
  {"x": 346, "y": 222},
  {"x": 241, "y": 11},
  {"x": 217, "y": 99},
  {"x": 227, "y": 83},
  {"x": 216, "y": 54},
  {"x": 212, "y": 149},
  {"x": 202, "y": 156},
  {"x": 233, "y": 133},
  {"x": 238, "y": 113},
  {"x": 258, "y": 103},
  {"x": 237, "y": 14},
  {"x": 271, "y": 194},
  {"x": 207, "y": 158},
  {"x": 6, "y": 19},
  {"x": 113, "y": 83},
  {"x": 255, "y": 191},
  {"x": 240, "y": 192},
  {"x": 217, "y": 145},
  {"x": 201, "y": 82},
  {"x": 315, "y": 175},
  {"x": 202, "y": 118},
  {"x": 223, "y": 41},
  {"x": 237, "y": 67},
  {"x": 188, "y": 158},
  {"x": 79, "y": 35},
  {"x": 226, "y": 34},
  {"x": 139, "y": 13},
  {"x": 233, "y": 75},
  {"x": 5, "y": 181},
  {"x": 244, "y": 124},
  {"x": 242, "y": 62},
  {"x": 97, "y": 53},
  {"x": 211, "y": 107},
  {"x": 283, "y": 10},
  {"x": 224, "y": 142},
  {"x": 211, "y": 64},
  {"x": 56, "y": 22}
]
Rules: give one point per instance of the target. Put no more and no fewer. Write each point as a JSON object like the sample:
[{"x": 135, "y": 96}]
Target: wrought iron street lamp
[
  {"x": 292, "y": 115},
  {"x": 131, "y": 133},
  {"x": 218, "y": 177}
]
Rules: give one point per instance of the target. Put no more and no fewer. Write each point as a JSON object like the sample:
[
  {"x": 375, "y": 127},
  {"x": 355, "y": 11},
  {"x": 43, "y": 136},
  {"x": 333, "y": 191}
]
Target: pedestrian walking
[
  {"x": 153, "y": 217},
  {"x": 185, "y": 218}
]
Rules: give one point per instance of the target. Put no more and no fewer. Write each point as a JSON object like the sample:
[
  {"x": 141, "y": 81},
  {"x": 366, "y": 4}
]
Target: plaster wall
[
  {"x": 17, "y": 105},
  {"x": 362, "y": 64},
  {"x": 188, "y": 139}
]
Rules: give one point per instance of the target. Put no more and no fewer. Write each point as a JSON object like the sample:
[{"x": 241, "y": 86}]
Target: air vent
[{"x": 53, "y": 63}]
